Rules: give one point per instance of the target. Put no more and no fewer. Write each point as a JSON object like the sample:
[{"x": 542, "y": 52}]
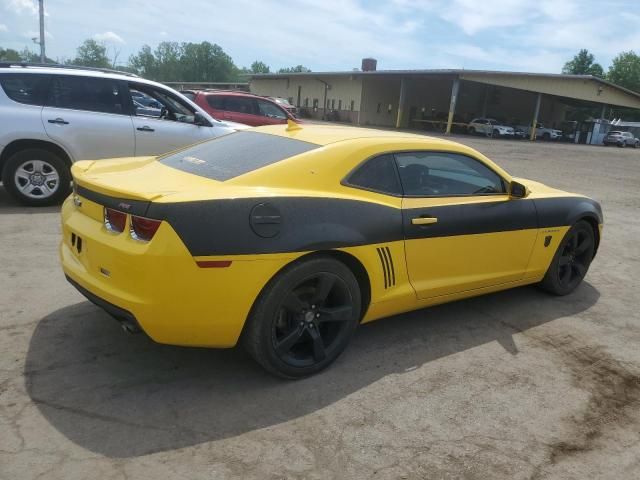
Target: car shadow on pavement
[{"x": 124, "y": 395}]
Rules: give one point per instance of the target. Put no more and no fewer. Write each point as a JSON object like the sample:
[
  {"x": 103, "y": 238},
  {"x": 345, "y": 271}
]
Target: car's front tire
[
  {"x": 304, "y": 318},
  {"x": 36, "y": 177},
  {"x": 572, "y": 260}
]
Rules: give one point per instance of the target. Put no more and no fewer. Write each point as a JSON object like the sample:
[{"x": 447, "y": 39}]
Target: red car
[{"x": 241, "y": 107}]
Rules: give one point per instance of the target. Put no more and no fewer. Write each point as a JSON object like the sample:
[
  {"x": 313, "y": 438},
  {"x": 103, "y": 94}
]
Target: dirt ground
[{"x": 515, "y": 385}]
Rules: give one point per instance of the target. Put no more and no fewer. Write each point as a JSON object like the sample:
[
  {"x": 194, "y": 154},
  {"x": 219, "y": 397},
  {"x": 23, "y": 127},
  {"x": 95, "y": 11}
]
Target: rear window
[
  {"x": 29, "y": 88},
  {"x": 235, "y": 154},
  {"x": 87, "y": 93}
]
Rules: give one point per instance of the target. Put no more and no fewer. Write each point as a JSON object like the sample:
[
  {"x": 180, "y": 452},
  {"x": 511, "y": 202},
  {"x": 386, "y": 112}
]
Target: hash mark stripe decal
[
  {"x": 386, "y": 262},
  {"x": 393, "y": 270},
  {"x": 384, "y": 268}
]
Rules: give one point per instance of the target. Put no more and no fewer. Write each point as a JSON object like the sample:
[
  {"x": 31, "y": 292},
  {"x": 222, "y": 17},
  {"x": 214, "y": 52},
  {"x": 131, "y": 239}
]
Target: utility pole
[{"x": 42, "y": 55}]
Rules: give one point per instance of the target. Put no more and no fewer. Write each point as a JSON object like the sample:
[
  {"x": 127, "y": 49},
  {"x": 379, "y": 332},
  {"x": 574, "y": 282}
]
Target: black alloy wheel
[
  {"x": 304, "y": 318},
  {"x": 312, "y": 320},
  {"x": 572, "y": 260}
]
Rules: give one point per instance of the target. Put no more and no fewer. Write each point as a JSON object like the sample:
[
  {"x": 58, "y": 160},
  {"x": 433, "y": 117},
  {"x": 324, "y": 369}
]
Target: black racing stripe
[
  {"x": 224, "y": 227},
  {"x": 393, "y": 270},
  {"x": 384, "y": 268},
  {"x": 228, "y": 227},
  {"x": 470, "y": 219},
  {"x": 136, "y": 207},
  {"x": 562, "y": 211}
]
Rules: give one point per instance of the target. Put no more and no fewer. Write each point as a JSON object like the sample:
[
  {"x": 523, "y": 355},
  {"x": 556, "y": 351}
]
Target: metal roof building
[{"x": 443, "y": 98}]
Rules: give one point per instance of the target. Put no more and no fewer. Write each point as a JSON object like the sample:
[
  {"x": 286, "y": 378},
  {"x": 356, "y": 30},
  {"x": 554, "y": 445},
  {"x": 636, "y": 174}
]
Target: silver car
[
  {"x": 53, "y": 116},
  {"x": 621, "y": 139}
]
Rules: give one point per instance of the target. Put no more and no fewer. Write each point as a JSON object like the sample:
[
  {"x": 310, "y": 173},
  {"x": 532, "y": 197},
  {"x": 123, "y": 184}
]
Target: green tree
[
  {"x": 91, "y": 54},
  {"x": 296, "y": 69},
  {"x": 583, "y": 64},
  {"x": 187, "y": 62},
  {"x": 625, "y": 71},
  {"x": 144, "y": 63},
  {"x": 259, "y": 67},
  {"x": 10, "y": 55}
]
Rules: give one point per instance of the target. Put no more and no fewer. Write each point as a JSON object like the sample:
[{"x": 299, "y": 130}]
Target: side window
[
  {"x": 216, "y": 101},
  {"x": 86, "y": 93},
  {"x": 268, "y": 109},
  {"x": 436, "y": 174},
  {"x": 378, "y": 174},
  {"x": 239, "y": 104},
  {"x": 158, "y": 103},
  {"x": 29, "y": 89}
]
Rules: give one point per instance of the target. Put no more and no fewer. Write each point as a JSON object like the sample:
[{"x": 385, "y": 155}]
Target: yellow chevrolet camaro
[{"x": 285, "y": 238}]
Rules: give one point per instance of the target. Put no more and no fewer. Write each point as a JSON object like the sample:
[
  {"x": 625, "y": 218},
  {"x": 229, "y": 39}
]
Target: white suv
[
  {"x": 490, "y": 128},
  {"x": 52, "y": 116}
]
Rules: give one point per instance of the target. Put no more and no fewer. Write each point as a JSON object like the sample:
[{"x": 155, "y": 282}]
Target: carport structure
[
  {"x": 444, "y": 99},
  {"x": 454, "y": 97}
]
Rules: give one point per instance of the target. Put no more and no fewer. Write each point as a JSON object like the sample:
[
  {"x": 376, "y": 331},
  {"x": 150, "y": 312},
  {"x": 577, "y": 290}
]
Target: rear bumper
[
  {"x": 158, "y": 286},
  {"x": 125, "y": 318}
]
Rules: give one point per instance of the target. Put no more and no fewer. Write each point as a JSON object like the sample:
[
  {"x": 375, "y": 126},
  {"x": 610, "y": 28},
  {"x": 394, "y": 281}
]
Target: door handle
[
  {"x": 424, "y": 220},
  {"x": 146, "y": 128},
  {"x": 59, "y": 121}
]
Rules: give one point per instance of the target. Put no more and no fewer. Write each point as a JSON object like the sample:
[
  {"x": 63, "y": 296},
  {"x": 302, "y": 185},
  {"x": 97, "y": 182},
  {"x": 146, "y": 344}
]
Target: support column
[
  {"x": 536, "y": 112},
  {"x": 452, "y": 105},
  {"x": 485, "y": 101},
  {"x": 401, "y": 101},
  {"x": 604, "y": 112}
]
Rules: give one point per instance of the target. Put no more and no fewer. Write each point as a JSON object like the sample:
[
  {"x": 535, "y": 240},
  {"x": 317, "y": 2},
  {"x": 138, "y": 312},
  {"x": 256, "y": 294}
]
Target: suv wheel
[{"x": 36, "y": 177}]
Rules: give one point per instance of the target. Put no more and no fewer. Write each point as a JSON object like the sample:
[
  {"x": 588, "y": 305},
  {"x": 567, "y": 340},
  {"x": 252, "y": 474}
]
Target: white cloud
[
  {"x": 473, "y": 16},
  {"x": 109, "y": 37},
  {"x": 19, "y": 6},
  {"x": 3, "y": 28}
]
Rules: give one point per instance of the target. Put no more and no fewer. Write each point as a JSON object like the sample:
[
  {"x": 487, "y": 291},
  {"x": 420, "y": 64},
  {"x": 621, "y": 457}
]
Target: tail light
[
  {"x": 114, "y": 220},
  {"x": 144, "y": 228}
]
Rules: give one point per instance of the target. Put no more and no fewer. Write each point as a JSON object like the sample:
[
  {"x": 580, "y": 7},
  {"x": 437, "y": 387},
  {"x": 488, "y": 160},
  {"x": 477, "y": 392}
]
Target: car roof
[
  {"x": 234, "y": 93},
  {"x": 326, "y": 134},
  {"x": 75, "y": 71}
]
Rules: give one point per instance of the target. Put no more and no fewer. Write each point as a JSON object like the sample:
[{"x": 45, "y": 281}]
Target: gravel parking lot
[{"x": 514, "y": 385}]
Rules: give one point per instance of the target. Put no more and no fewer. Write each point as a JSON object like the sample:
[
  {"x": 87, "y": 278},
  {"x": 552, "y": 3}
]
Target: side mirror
[
  {"x": 517, "y": 190},
  {"x": 200, "y": 120}
]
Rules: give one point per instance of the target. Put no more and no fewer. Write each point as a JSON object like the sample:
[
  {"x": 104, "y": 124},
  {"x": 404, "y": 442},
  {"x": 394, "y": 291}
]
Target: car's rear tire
[
  {"x": 622, "y": 144},
  {"x": 571, "y": 261},
  {"x": 472, "y": 131},
  {"x": 636, "y": 145},
  {"x": 36, "y": 177},
  {"x": 304, "y": 318}
]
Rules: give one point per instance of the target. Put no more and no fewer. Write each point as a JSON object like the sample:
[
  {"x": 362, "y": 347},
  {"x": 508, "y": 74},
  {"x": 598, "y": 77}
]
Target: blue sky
[{"x": 516, "y": 35}]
